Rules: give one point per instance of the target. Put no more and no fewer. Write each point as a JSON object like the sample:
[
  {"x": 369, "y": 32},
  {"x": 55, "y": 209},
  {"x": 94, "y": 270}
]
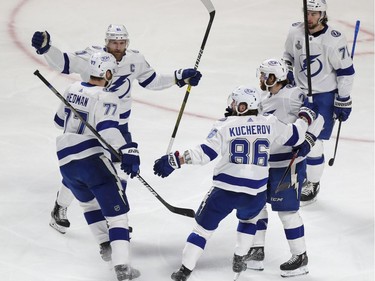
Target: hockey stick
[
  {"x": 307, "y": 45},
  {"x": 285, "y": 185},
  {"x": 211, "y": 10},
  {"x": 176, "y": 210},
  {"x": 356, "y": 30}
]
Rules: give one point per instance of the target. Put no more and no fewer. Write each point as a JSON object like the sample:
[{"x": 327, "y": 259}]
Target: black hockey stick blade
[{"x": 177, "y": 210}]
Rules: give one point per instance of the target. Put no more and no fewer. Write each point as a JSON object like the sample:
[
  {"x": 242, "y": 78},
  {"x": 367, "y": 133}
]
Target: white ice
[{"x": 339, "y": 227}]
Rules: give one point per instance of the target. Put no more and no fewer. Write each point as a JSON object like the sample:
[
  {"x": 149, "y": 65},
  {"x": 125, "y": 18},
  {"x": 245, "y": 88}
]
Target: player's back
[
  {"x": 245, "y": 149},
  {"x": 78, "y": 141}
]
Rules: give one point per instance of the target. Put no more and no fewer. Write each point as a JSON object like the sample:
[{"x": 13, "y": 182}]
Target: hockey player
[
  {"x": 240, "y": 177},
  {"x": 132, "y": 65},
  {"x": 86, "y": 165},
  {"x": 332, "y": 75},
  {"x": 284, "y": 101}
]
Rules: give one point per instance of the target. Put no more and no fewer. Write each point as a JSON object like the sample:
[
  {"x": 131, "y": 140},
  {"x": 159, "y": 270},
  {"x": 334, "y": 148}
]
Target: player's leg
[
  {"x": 315, "y": 159},
  {"x": 114, "y": 206},
  {"x": 295, "y": 235},
  {"x": 286, "y": 203},
  {"x": 249, "y": 209},
  {"x": 59, "y": 219},
  {"x": 315, "y": 168},
  {"x": 211, "y": 211},
  {"x": 255, "y": 256}
]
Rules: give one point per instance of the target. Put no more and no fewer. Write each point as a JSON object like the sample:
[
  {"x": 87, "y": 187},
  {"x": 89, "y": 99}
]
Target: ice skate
[
  {"x": 182, "y": 274},
  {"x": 59, "y": 220},
  {"x": 125, "y": 272},
  {"x": 296, "y": 265},
  {"x": 309, "y": 193},
  {"x": 254, "y": 258},
  {"x": 106, "y": 251}
]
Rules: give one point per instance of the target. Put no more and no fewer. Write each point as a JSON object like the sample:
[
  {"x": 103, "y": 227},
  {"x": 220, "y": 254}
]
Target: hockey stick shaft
[
  {"x": 177, "y": 210},
  {"x": 307, "y": 45},
  {"x": 285, "y": 185},
  {"x": 356, "y": 30},
  {"x": 211, "y": 10}
]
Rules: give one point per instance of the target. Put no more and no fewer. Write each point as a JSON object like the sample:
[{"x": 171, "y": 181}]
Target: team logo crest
[
  {"x": 316, "y": 64},
  {"x": 335, "y": 33},
  {"x": 298, "y": 45}
]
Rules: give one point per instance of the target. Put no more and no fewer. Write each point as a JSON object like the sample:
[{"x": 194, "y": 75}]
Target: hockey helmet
[
  {"x": 101, "y": 62},
  {"x": 276, "y": 67},
  {"x": 117, "y": 32},
  {"x": 317, "y": 5},
  {"x": 244, "y": 94}
]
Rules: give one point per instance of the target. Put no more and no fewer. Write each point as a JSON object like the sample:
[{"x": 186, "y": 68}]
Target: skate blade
[
  {"x": 57, "y": 227},
  {"x": 291, "y": 273},
  {"x": 255, "y": 265}
]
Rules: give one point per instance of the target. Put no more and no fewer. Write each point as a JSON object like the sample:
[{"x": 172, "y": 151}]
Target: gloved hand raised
[
  {"x": 228, "y": 112},
  {"x": 304, "y": 148},
  {"x": 41, "y": 41},
  {"x": 165, "y": 165},
  {"x": 308, "y": 112},
  {"x": 189, "y": 75},
  {"x": 130, "y": 159},
  {"x": 342, "y": 108}
]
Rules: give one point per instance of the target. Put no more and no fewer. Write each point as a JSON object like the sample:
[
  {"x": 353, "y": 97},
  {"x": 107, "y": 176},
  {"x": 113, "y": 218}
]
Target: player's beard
[
  {"x": 262, "y": 86},
  {"x": 118, "y": 54},
  {"x": 312, "y": 26}
]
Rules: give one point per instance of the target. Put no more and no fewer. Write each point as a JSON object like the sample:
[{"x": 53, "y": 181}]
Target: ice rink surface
[{"x": 339, "y": 227}]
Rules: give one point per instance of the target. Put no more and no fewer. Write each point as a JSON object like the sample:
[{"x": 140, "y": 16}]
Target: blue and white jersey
[
  {"x": 100, "y": 109},
  {"x": 245, "y": 142},
  {"x": 285, "y": 105},
  {"x": 133, "y": 66},
  {"x": 331, "y": 65}
]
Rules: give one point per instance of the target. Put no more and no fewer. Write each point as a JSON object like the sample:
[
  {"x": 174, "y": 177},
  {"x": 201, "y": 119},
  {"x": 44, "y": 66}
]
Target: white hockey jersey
[
  {"x": 331, "y": 64},
  {"x": 133, "y": 66},
  {"x": 244, "y": 142},
  {"x": 100, "y": 109},
  {"x": 285, "y": 105}
]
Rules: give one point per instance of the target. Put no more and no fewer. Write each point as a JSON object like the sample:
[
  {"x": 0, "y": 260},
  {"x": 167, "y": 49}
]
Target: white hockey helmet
[
  {"x": 245, "y": 94},
  {"x": 317, "y": 5},
  {"x": 276, "y": 67},
  {"x": 116, "y": 32},
  {"x": 100, "y": 62}
]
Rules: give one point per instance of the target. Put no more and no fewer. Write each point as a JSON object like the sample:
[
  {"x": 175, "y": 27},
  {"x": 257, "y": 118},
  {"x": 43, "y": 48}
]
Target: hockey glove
[
  {"x": 165, "y": 165},
  {"x": 342, "y": 108},
  {"x": 189, "y": 75},
  {"x": 130, "y": 159},
  {"x": 308, "y": 112},
  {"x": 290, "y": 75},
  {"x": 304, "y": 148},
  {"x": 41, "y": 41},
  {"x": 228, "y": 111}
]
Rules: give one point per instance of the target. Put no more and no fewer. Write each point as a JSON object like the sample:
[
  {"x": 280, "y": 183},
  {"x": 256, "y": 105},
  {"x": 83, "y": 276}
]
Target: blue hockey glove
[
  {"x": 304, "y": 148},
  {"x": 308, "y": 112},
  {"x": 342, "y": 108},
  {"x": 165, "y": 165},
  {"x": 228, "y": 111},
  {"x": 41, "y": 41},
  {"x": 290, "y": 75},
  {"x": 189, "y": 75},
  {"x": 130, "y": 159}
]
